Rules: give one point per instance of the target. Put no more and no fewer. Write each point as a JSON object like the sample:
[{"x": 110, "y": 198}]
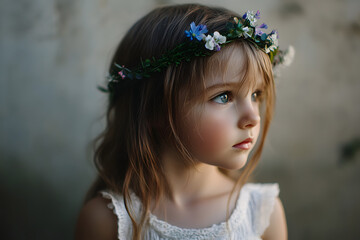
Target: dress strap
[{"x": 118, "y": 207}]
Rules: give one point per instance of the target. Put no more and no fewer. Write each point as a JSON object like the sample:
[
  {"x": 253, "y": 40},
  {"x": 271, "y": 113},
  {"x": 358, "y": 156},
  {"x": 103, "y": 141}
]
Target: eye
[
  {"x": 223, "y": 98},
  {"x": 257, "y": 96}
]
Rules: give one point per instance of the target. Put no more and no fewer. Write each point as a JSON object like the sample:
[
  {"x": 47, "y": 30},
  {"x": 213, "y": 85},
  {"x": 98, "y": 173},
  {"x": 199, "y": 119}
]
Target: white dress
[{"x": 248, "y": 220}]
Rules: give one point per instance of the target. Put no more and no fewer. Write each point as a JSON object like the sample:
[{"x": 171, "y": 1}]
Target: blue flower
[{"x": 197, "y": 32}]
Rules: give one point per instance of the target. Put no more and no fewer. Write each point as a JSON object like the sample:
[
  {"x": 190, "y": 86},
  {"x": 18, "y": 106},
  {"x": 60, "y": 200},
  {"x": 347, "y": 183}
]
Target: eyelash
[
  {"x": 258, "y": 93},
  {"x": 222, "y": 94}
]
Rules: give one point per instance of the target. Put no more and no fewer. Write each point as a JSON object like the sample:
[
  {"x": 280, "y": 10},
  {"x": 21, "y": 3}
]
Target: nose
[{"x": 249, "y": 115}]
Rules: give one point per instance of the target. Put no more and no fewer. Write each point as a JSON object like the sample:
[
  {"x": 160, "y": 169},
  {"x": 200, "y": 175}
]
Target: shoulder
[
  {"x": 277, "y": 228},
  {"x": 267, "y": 210},
  {"x": 96, "y": 221}
]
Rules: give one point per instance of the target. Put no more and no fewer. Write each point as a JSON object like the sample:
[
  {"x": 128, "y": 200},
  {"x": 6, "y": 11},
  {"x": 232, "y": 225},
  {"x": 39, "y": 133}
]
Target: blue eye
[
  {"x": 256, "y": 96},
  {"x": 223, "y": 98}
]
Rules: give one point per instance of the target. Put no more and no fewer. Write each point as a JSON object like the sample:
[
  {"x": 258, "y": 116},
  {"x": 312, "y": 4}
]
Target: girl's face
[{"x": 227, "y": 128}]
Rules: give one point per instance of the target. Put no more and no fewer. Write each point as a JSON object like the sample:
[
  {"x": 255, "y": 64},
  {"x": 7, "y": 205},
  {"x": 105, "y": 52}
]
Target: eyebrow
[
  {"x": 219, "y": 85},
  {"x": 231, "y": 84}
]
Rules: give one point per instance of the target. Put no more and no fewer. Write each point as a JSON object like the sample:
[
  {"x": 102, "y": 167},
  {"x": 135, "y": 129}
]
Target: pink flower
[{"x": 122, "y": 75}]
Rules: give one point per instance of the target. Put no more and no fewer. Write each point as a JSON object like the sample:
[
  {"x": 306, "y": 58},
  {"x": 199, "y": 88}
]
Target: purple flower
[
  {"x": 258, "y": 32},
  {"x": 196, "y": 31},
  {"x": 244, "y": 16},
  {"x": 263, "y": 26},
  {"x": 257, "y": 15}
]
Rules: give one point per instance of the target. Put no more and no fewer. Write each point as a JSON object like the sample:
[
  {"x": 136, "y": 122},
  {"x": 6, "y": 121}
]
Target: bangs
[{"x": 254, "y": 69}]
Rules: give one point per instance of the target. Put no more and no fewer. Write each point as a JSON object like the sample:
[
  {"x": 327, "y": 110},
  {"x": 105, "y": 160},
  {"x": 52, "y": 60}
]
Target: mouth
[{"x": 245, "y": 145}]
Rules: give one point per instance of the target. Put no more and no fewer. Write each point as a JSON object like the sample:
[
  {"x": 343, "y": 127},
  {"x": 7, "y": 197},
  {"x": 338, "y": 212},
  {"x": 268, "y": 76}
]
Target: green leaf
[
  {"x": 264, "y": 36},
  {"x": 102, "y": 89}
]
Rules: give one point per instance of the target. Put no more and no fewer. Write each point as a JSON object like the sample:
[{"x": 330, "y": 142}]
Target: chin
[{"x": 235, "y": 165}]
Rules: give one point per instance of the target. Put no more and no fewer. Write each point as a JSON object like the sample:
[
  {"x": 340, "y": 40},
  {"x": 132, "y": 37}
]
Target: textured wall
[{"x": 54, "y": 53}]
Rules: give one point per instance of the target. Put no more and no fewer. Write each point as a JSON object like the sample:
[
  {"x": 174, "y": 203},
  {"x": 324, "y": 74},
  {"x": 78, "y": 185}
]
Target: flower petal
[
  {"x": 263, "y": 26},
  {"x": 257, "y": 15}
]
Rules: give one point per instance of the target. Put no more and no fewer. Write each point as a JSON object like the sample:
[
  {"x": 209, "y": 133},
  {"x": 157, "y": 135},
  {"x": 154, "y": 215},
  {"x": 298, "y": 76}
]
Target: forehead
[{"x": 233, "y": 66}]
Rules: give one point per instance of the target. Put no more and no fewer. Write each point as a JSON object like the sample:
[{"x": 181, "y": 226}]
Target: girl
[{"x": 191, "y": 95}]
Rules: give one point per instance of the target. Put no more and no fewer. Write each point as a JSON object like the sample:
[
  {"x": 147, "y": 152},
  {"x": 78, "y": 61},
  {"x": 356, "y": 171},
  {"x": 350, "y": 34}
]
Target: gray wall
[{"x": 55, "y": 52}]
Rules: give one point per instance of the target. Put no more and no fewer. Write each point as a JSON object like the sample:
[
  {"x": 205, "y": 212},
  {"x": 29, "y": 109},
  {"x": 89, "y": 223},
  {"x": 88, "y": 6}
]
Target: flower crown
[{"x": 200, "y": 44}]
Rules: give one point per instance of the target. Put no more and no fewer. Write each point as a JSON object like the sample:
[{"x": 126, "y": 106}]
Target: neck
[{"x": 190, "y": 184}]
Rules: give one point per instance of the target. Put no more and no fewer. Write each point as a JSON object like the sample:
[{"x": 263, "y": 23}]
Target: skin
[
  {"x": 96, "y": 221},
  {"x": 228, "y": 116}
]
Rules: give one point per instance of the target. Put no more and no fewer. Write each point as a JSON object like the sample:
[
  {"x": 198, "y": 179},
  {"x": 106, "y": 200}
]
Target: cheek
[
  {"x": 211, "y": 135},
  {"x": 256, "y": 131}
]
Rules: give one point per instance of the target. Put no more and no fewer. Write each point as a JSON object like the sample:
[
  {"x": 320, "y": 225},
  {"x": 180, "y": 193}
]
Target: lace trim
[
  {"x": 216, "y": 230},
  {"x": 255, "y": 201},
  {"x": 119, "y": 210}
]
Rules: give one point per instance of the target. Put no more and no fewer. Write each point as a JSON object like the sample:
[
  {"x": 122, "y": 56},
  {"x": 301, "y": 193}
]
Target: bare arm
[
  {"x": 96, "y": 221},
  {"x": 277, "y": 229}
]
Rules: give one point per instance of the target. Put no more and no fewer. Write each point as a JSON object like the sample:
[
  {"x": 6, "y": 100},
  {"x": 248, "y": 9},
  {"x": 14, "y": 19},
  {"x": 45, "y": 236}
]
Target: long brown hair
[{"x": 144, "y": 114}]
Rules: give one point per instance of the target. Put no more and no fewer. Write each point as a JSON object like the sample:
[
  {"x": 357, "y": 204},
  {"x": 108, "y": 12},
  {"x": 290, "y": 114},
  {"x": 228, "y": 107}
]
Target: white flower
[
  {"x": 247, "y": 32},
  {"x": 273, "y": 47},
  {"x": 252, "y": 17},
  {"x": 289, "y": 56},
  {"x": 274, "y": 42},
  {"x": 210, "y": 43},
  {"x": 274, "y": 39},
  {"x": 219, "y": 39},
  {"x": 213, "y": 42}
]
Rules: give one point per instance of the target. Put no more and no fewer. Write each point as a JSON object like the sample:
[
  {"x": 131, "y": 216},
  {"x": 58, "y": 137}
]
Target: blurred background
[{"x": 55, "y": 52}]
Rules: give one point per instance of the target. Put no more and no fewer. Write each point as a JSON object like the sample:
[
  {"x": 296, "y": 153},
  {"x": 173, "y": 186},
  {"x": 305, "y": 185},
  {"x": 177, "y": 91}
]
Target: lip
[{"x": 245, "y": 145}]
